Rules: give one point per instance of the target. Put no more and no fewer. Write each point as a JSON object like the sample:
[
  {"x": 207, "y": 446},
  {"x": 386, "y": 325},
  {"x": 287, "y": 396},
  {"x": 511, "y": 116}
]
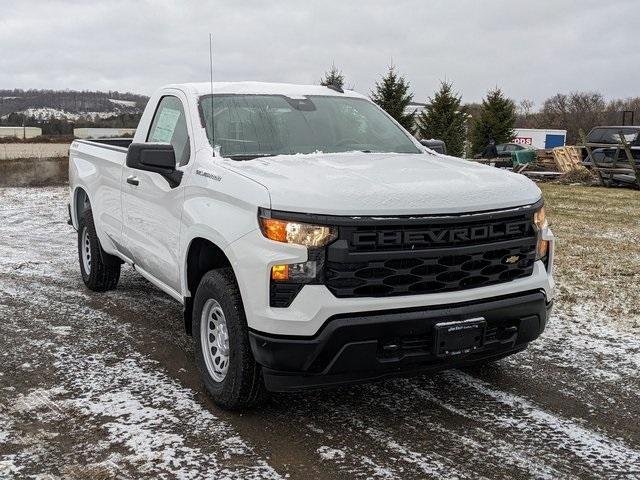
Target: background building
[{"x": 20, "y": 132}]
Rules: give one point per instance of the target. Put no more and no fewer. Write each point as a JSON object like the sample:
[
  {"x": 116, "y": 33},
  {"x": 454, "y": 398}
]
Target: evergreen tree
[
  {"x": 496, "y": 121},
  {"x": 444, "y": 119},
  {"x": 391, "y": 93},
  {"x": 333, "y": 77}
]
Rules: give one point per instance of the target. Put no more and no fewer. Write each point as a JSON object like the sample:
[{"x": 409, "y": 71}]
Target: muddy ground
[{"x": 102, "y": 386}]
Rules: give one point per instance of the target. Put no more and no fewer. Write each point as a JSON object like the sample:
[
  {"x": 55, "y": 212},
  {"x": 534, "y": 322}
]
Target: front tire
[
  {"x": 100, "y": 271},
  {"x": 230, "y": 374}
]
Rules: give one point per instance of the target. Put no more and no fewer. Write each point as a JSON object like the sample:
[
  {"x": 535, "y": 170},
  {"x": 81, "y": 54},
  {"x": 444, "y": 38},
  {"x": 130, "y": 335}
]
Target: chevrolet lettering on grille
[{"x": 438, "y": 236}]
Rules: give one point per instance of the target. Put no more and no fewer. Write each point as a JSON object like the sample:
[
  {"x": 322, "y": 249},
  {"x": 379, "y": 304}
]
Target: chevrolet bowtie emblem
[{"x": 512, "y": 259}]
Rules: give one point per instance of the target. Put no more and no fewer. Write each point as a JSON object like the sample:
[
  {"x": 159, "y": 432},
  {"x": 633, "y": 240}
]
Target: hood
[{"x": 385, "y": 184}]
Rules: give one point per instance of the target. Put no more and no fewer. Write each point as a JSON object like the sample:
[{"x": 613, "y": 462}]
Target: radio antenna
[{"x": 213, "y": 136}]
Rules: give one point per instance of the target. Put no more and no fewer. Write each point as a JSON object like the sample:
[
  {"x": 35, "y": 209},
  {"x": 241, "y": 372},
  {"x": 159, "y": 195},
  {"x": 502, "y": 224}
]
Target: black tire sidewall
[
  {"x": 218, "y": 285},
  {"x": 103, "y": 276},
  {"x": 86, "y": 222}
]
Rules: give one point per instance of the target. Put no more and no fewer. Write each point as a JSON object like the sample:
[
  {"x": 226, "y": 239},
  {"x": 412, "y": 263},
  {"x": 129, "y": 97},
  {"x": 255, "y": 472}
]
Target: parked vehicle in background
[
  {"x": 311, "y": 239},
  {"x": 436, "y": 145},
  {"x": 506, "y": 149},
  {"x": 610, "y": 135},
  {"x": 613, "y": 161}
]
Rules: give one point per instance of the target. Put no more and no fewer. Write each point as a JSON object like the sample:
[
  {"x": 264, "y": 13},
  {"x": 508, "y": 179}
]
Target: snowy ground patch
[{"x": 104, "y": 385}]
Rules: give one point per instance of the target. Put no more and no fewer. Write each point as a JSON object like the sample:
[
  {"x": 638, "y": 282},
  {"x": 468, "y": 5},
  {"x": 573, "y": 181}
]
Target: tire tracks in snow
[
  {"x": 449, "y": 425},
  {"x": 538, "y": 432},
  {"x": 148, "y": 425},
  {"x": 459, "y": 426}
]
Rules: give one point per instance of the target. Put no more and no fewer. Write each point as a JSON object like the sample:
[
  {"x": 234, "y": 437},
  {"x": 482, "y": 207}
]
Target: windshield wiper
[{"x": 249, "y": 156}]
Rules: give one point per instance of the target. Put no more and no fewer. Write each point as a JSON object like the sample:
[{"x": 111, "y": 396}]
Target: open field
[
  {"x": 13, "y": 151},
  {"x": 598, "y": 231},
  {"x": 103, "y": 386}
]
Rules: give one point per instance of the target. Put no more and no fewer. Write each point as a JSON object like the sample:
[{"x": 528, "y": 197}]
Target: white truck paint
[{"x": 142, "y": 219}]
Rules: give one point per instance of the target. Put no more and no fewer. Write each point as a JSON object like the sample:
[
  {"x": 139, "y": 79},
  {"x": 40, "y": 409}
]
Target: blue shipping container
[{"x": 552, "y": 141}]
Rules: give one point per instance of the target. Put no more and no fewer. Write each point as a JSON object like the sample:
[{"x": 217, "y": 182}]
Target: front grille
[
  {"x": 429, "y": 274},
  {"x": 446, "y": 254}
]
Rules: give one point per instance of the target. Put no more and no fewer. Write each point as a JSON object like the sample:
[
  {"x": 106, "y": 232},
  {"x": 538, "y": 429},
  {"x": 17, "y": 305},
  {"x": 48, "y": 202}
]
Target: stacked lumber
[
  {"x": 567, "y": 158},
  {"x": 545, "y": 161},
  {"x": 559, "y": 159}
]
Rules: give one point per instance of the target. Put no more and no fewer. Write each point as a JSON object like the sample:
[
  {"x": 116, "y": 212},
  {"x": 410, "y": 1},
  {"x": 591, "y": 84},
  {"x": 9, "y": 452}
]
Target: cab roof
[{"x": 263, "y": 88}]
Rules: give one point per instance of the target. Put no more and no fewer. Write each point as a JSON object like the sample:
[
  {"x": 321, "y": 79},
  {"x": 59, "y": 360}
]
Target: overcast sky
[{"x": 530, "y": 49}]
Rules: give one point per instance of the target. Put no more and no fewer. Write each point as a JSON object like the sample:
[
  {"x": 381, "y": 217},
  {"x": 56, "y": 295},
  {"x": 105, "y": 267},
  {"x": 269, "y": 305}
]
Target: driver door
[{"x": 152, "y": 210}]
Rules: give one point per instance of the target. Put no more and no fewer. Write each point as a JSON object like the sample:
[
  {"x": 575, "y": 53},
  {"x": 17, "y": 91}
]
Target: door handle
[{"x": 133, "y": 180}]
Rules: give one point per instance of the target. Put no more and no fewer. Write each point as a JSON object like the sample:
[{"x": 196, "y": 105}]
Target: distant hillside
[
  {"x": 69, "y": 104},
  {"x": 58, "y": 112}
]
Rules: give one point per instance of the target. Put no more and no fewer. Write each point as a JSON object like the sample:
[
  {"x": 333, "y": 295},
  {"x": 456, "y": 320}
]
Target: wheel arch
[
  {"x": 202, "y": 255},
  {"x": 81, "y": 201}
]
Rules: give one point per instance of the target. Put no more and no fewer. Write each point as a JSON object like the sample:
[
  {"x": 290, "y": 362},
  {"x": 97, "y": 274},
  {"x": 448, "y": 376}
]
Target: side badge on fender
[{"x": 205, "y": 174}]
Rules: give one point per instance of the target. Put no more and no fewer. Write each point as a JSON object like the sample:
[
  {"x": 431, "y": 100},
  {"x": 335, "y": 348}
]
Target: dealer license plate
[{"x": 458, "y": 338}]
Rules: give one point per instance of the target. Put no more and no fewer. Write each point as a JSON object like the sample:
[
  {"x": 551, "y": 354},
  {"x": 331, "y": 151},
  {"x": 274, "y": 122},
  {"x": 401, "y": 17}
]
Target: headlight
[
  {"x": 540, "y": 221},
  {"x": 296, "y": 232}
]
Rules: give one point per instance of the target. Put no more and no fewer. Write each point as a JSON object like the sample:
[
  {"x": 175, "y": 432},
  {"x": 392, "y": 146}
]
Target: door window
[{"x": 170, "y": 126}]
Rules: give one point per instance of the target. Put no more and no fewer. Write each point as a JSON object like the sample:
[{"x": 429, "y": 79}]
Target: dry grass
[
  {"x": 579, "y": 175},
  {"x": 597, "y": 248}
]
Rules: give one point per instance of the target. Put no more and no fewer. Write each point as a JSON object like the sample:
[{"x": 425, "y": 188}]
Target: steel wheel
[
  {"x": 86, "y": 251},
  {"x": 215, "y": 340}
]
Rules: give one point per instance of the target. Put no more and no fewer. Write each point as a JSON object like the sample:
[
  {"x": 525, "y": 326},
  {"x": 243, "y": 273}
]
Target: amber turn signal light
[
  {"x": 280, "y": 273},
  {"x": 543, "y": 248},
  {"x": 274, "y": 229}
]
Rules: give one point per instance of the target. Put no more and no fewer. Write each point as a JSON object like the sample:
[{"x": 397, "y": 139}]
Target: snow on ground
[
  {"x": 123, "y": 103},
  {"x": 49, "y": 112},
  {"x": 122, "y": 412},
  {"x": 104, "y": 386}
]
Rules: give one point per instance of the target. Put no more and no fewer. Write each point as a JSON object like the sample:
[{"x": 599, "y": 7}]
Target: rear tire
[
  {"x": 230, "y": 374},
  {"x": 100, "y": 271}
]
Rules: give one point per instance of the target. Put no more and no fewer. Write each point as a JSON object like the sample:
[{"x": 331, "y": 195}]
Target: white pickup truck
[{"x": 312, "y": 240}]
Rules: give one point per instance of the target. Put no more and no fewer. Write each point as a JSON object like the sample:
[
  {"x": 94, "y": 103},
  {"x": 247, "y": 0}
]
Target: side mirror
[{"x": 155, "y": 157}]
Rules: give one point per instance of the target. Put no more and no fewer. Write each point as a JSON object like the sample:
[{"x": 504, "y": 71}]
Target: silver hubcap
[
  {"x": 86, "y": 251},
  {"x": 215, "y": 340}
]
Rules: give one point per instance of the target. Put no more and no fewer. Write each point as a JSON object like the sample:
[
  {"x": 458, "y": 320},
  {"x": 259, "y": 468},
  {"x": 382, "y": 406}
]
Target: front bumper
[
  {"x": 252, "y": 257},
  {"x": 353, "y": 348}
]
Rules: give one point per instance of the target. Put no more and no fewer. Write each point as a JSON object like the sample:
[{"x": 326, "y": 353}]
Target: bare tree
[
  {"x": 615, "y": 110},
  {"x": 573, "y": 112},
  {"x": 526, "y": 117}
]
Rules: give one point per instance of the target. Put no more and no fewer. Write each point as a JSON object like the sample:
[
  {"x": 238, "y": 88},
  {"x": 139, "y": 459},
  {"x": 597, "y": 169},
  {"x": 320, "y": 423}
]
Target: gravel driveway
[{"x": 103, "y": 386}]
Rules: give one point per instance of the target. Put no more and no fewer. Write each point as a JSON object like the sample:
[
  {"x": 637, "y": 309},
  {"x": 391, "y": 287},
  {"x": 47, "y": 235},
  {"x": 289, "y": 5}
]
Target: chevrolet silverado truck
[{"x": 311, "y": 240}]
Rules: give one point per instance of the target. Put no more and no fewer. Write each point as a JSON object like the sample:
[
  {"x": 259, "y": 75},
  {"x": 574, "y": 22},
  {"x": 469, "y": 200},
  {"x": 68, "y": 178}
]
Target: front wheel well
[{"x": 203, "y": 256}]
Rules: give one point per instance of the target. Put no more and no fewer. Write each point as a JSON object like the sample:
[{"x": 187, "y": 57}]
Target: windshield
[
  {"x": 250, "y": 126},
  {"x": 612, "y": 134}
]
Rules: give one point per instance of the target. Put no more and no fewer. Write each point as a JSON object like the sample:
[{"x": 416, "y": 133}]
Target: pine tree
[
  {"x": 496, "y": 121},
  {"x": 333, "y": 77},
  {"x": 391, "y": 93},
  {"x": 444, "y": 119}
]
